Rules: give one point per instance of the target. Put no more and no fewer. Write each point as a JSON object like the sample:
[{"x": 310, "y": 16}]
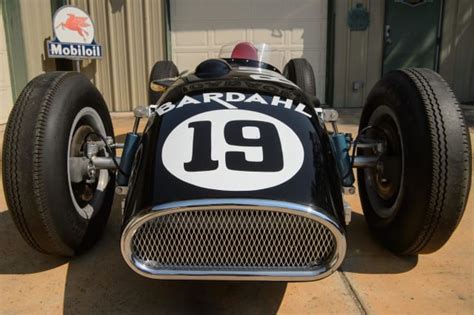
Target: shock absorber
[
  {"x": 341, "y": 143},
  {"x": 130, "y": 147}
]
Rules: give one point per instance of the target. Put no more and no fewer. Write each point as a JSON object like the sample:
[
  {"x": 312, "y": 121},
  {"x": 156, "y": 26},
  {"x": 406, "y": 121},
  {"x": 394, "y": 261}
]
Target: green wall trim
[
  {"x": 167, "y": 29},
  {"x": 330, "y": 40},
  {"x": 15, "y": 45}
]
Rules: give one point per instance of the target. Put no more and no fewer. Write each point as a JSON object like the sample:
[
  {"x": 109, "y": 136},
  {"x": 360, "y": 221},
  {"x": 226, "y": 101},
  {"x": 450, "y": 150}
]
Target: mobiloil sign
[{"x": 74, "y": 35}]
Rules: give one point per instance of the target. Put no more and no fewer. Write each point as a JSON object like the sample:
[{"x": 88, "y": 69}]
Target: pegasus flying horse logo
[
  {"x": 73, "y": 35},
  {"x": 76, "y": 24}
]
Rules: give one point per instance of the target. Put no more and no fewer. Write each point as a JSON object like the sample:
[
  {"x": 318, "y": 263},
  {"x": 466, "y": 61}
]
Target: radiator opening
[{"x": 233, "y": 240}]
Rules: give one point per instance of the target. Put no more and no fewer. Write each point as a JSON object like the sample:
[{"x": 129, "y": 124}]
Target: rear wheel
[
  {"x": 161, "y": 70},
  {"x": 415, "y": 197},
  {"x": 300, "y": 72},
  {"x": 56, "y": 212}
]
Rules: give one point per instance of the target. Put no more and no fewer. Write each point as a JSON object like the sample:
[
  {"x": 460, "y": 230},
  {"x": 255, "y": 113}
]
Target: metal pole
[
  {"x": 78, "y": 65},
  {"x": 365, "y": 161}
]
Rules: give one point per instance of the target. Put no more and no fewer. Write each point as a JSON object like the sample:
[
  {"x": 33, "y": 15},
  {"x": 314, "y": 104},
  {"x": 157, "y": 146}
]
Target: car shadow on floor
[
  {"x": 100, "y": 281},
  {"x": 16, "y": 257},
  {"x": 365, "y": 255}
]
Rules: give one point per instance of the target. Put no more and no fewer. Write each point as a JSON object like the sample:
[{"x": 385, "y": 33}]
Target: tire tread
[
  {"x": 38, "y": 189},
  {"x": 10, "y": 174},
  {"x": 12, "y": 156},
  {"x": 438, "y": 136}
]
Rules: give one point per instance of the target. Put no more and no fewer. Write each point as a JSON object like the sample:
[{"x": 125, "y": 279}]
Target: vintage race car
[{"x": 240, "y": 172}]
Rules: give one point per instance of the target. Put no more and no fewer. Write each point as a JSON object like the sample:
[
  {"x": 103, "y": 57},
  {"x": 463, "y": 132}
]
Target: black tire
[
  {"x": 428, "y": 146},
  {"x": 161, "y": 70},
  {"x": 300, "y": 72},
  {"x": 35, "y": 164}
]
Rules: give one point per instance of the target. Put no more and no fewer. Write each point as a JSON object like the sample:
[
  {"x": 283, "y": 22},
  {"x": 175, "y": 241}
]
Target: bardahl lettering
[{"x": 227, "y": 98}]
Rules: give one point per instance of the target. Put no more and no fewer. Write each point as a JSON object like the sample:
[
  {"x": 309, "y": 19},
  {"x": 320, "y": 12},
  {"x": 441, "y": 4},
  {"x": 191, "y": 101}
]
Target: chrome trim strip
[{"x": 253, "y": 275}]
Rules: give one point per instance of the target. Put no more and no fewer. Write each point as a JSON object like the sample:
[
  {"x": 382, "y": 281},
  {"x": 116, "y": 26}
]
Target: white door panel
[{"x": 293, "y": 29}]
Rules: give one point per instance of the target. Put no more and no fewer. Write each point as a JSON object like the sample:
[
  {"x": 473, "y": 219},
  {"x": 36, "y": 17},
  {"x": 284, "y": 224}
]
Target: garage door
[
  {"x": 5, "y": 85},
  {"x": 294, "y": 29}
]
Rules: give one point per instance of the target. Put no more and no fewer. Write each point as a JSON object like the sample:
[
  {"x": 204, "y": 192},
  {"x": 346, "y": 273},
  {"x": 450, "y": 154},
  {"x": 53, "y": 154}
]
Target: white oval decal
[{"x": 233, "y": 150}]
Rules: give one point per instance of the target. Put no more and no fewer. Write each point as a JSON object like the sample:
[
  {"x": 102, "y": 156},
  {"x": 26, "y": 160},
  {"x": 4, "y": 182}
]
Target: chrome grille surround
[{"x": 233, "y": 239}]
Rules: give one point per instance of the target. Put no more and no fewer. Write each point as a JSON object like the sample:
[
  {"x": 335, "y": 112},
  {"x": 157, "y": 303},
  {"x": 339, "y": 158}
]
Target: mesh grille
[{"x": 230, "y": 239}]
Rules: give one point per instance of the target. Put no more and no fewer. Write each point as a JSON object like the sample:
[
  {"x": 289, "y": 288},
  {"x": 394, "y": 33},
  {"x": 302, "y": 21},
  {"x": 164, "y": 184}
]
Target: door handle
[{"x": 388, "y": 40}]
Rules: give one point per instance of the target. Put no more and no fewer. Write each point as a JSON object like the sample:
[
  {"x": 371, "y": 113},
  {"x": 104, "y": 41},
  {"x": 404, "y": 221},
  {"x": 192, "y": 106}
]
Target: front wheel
[
  {"x": 56, "y": 212},
  {"x": 415, "y": 197}
]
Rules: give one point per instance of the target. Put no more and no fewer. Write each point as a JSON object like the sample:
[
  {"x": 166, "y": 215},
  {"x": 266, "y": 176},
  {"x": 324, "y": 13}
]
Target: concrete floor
[{"x": 371, "y": 279}]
